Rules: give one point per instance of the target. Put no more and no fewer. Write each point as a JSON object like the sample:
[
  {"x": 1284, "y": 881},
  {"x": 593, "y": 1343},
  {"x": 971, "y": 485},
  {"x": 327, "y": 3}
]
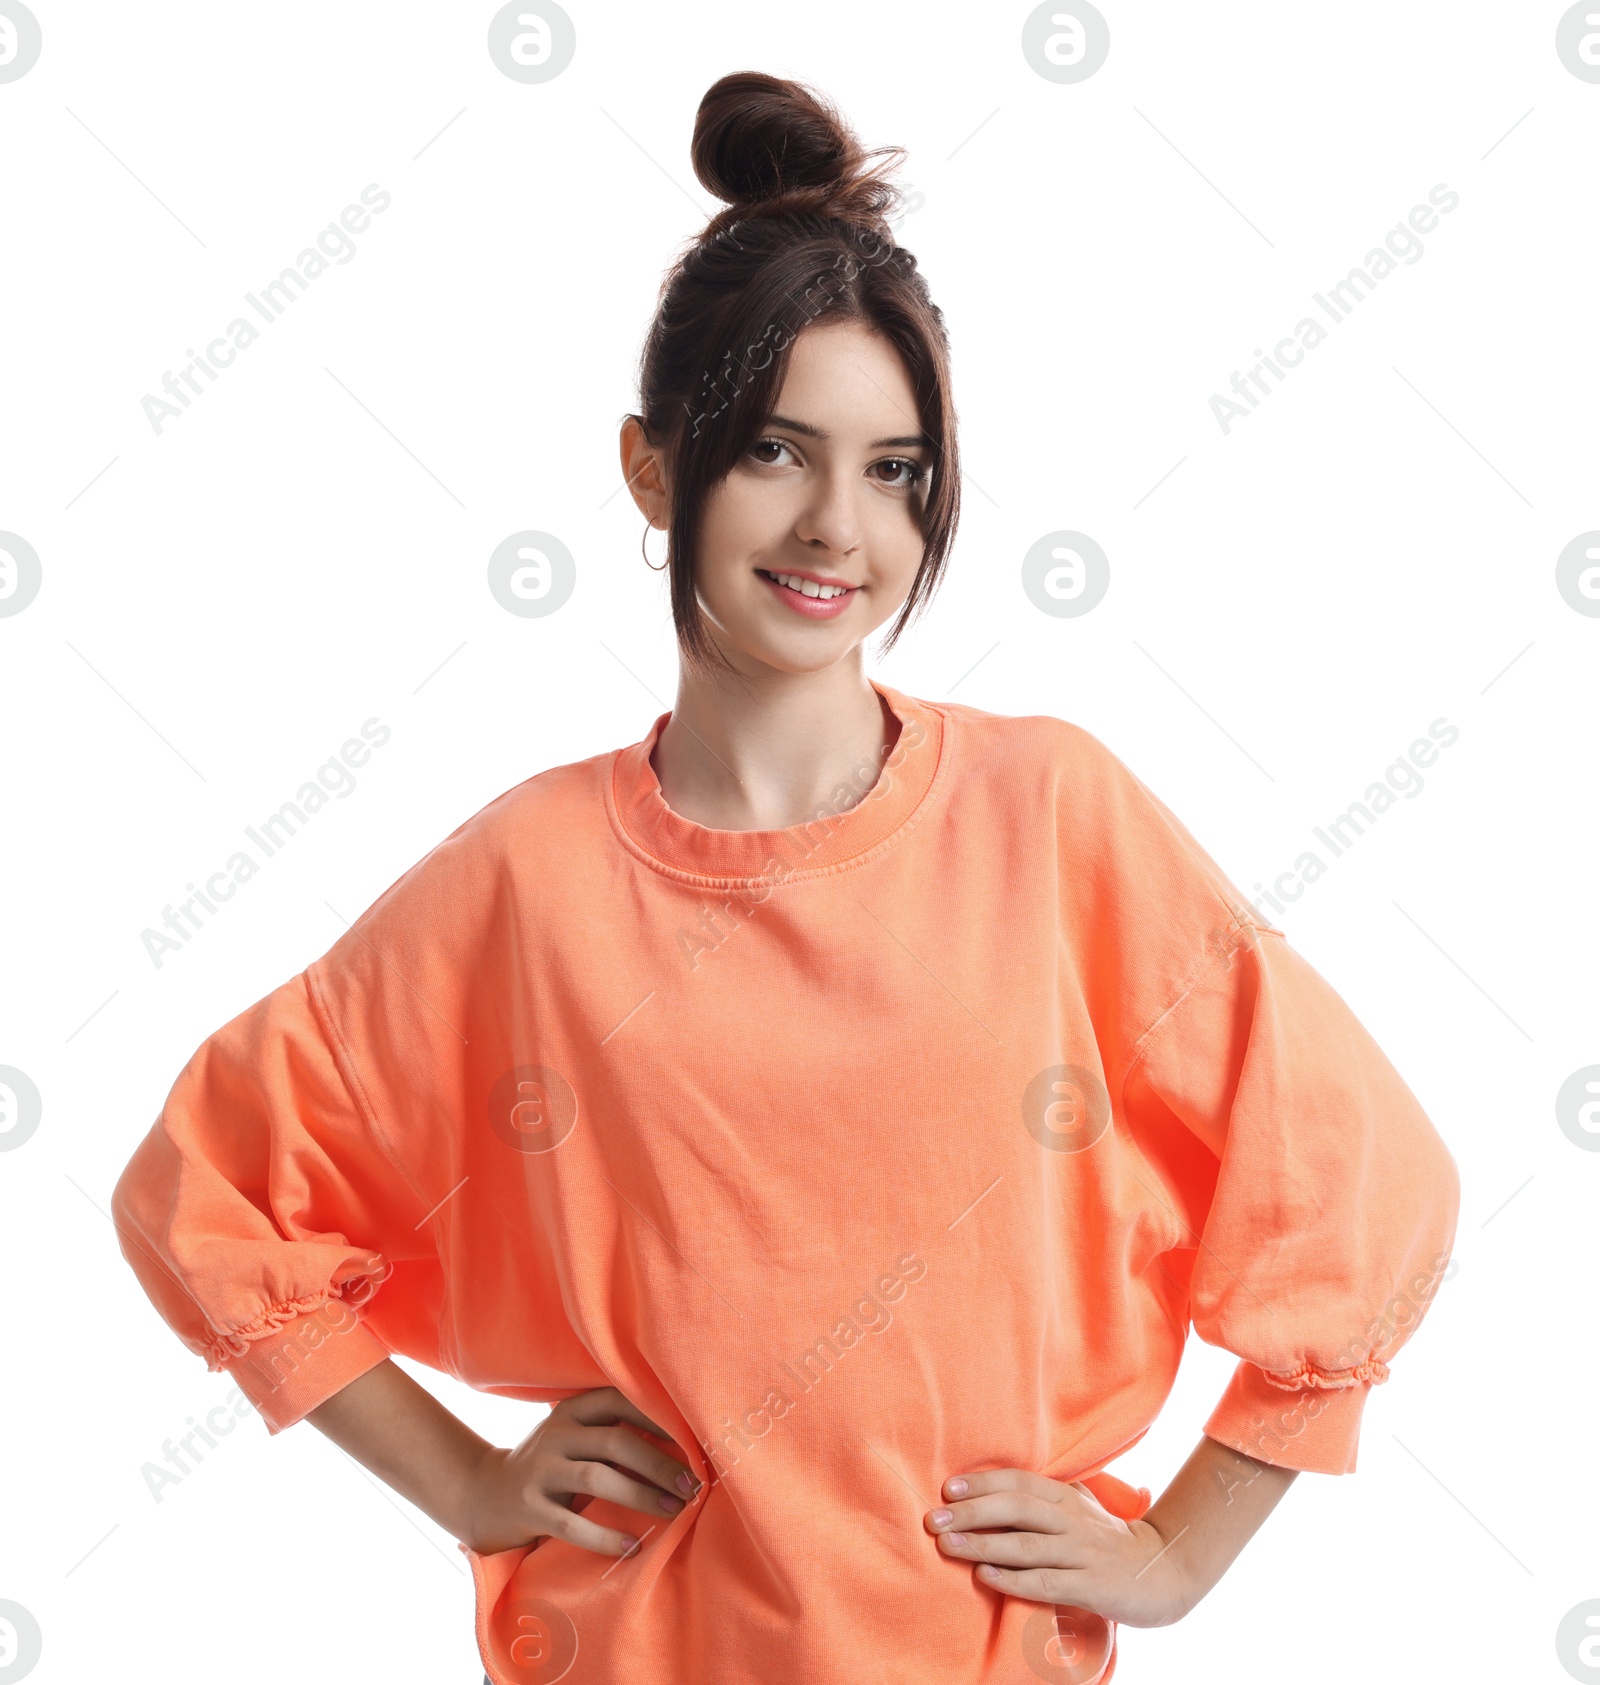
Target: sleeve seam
[
  {"x": 350, "y": 1074},
  {"x": 1221, "y": 942},
  {"x": 1311, "y": 1374},
  {"x": 236, "y": 1342},
  {"x": 1241, "y": 931}
]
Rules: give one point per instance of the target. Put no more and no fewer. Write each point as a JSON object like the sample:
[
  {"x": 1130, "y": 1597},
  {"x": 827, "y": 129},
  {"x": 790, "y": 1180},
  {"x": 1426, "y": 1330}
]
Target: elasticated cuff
[
  {"x": 1315, "y": 1429},
  {"x": 304, "y": 1362}
]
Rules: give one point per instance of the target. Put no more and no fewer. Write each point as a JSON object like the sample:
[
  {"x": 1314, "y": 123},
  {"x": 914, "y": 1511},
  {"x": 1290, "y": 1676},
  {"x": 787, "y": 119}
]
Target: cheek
[
  {"x": 897, "y": 534},
  {"x": 739, "y": 517}
]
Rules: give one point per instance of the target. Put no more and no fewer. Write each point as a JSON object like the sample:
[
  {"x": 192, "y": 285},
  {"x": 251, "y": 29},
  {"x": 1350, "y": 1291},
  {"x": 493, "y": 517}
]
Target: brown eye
[
  {"x": 909, "y": 473},
  {"x": 765, "y": 445}
]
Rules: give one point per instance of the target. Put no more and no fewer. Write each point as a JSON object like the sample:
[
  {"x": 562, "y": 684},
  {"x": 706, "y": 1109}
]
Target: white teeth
[{"x": 808, "y": 587}]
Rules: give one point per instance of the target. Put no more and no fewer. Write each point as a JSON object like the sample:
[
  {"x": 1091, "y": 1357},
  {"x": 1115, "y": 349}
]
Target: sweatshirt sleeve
[
  {"x": 261, "y": 1213},
  {"x": 1321, "y": 1203}
]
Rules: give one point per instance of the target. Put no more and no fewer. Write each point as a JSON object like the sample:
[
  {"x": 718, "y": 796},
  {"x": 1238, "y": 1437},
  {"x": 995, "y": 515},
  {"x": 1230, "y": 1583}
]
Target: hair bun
[{"x": 760, "y": 138}]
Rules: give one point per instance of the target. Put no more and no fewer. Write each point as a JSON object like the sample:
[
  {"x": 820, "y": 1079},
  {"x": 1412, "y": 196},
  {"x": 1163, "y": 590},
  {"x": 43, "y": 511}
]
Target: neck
[{"x": 767, "y": 751}]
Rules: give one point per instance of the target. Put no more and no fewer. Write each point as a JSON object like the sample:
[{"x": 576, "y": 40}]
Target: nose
[{"x": 830, "y": 519}]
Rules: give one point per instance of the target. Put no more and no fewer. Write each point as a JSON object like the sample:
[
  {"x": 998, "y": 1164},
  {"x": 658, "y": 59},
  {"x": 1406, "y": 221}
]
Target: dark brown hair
[{"x": 805, "y": 238}]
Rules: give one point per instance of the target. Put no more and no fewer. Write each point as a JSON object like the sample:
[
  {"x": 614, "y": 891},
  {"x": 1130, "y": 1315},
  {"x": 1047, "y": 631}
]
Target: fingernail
[
  {"x": 957, "y": 1539},
  {"x": 941, "y": 1518},
  {"x": 686, "y": 1484},
  {"x": 628, "y": 1542},
  {"x": 671, "y": 1504},
  {"x": 958, "y": 1487}
]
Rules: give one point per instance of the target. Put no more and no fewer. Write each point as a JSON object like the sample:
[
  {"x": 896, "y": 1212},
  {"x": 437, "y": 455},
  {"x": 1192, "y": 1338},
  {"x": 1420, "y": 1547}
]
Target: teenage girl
[{"x": 837, "y": 1105}]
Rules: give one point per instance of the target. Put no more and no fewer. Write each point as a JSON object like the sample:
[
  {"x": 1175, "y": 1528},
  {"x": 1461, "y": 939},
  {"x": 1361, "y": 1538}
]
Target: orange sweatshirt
[{"x": 858, "y": 1155}]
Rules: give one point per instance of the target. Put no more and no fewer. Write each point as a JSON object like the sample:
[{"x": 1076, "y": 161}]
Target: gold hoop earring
[{"x": 654, "y": 567}]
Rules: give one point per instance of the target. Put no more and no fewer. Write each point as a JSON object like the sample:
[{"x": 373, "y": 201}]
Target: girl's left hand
[{"x": 1061, "y": 1545}]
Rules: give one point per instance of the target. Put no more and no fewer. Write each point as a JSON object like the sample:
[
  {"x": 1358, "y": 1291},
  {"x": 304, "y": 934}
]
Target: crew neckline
[{"x": 832, "y": 841}]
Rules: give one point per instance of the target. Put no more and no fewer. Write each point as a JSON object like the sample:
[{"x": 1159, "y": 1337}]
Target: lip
[{"x": 815, "y": 608}]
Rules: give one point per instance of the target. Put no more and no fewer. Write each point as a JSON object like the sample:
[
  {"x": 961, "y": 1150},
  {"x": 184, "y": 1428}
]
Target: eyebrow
[{"x": 904, "y": 441}]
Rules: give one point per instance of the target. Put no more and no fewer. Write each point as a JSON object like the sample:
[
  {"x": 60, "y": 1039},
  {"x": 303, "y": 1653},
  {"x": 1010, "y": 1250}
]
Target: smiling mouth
[{"x": 806, "y": 587}]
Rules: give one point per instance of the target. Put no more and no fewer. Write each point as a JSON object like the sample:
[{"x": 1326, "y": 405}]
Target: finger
[
  {"x": 619, "y": 1444},
  {"x": 1002, "y": 1480},
  {"x": 1040, "y": 1585},
  {"x": 561, "y": 1523},
  {"x": 600, "y": 1480},
  {"x": 605, "y": 1405},
  {"x": 1008, "y": 1508},
  {"x": 1007, "y": 1550}
]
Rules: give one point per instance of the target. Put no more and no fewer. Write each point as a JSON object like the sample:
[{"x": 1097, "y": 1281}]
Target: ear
[{"x": 643, "y": 469}]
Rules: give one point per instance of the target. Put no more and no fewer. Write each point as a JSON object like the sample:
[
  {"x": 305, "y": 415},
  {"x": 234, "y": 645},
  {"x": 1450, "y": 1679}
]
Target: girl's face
[{"x": 829, "y": 495}]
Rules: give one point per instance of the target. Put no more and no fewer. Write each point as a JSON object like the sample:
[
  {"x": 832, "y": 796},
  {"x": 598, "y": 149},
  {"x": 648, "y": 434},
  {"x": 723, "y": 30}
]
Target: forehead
[{"x": 847, "y": 377}]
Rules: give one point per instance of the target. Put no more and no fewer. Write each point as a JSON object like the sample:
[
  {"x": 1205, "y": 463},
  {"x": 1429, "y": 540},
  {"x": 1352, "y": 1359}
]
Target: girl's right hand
[{"x": 581, "y": 1447}]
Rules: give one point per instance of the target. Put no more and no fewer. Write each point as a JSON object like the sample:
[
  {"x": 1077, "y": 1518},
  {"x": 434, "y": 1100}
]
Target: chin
[
  {"x": 782, "y": 657},
  {"x": 755, "y": 650}
]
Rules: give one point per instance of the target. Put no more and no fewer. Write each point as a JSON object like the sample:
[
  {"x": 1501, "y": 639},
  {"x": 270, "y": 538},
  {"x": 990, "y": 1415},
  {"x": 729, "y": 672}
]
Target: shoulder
[
  {"x": 551, "y": 804},
  {"x": 543, "y": 815},
  {"x": 1113, "y": 834},
  {"x": 1043, "y": 749},
  {"x": 515, "y": 852},
  {"x": 459, "y": 933},
  {"x": 1026, "y": 734}
]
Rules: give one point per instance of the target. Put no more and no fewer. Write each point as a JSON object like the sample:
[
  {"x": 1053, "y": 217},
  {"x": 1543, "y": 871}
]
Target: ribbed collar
[{"x": 841, "y": 834}]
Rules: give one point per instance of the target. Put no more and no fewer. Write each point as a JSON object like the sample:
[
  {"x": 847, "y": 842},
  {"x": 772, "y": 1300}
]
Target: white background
[{"x": 224, "y": 603}]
